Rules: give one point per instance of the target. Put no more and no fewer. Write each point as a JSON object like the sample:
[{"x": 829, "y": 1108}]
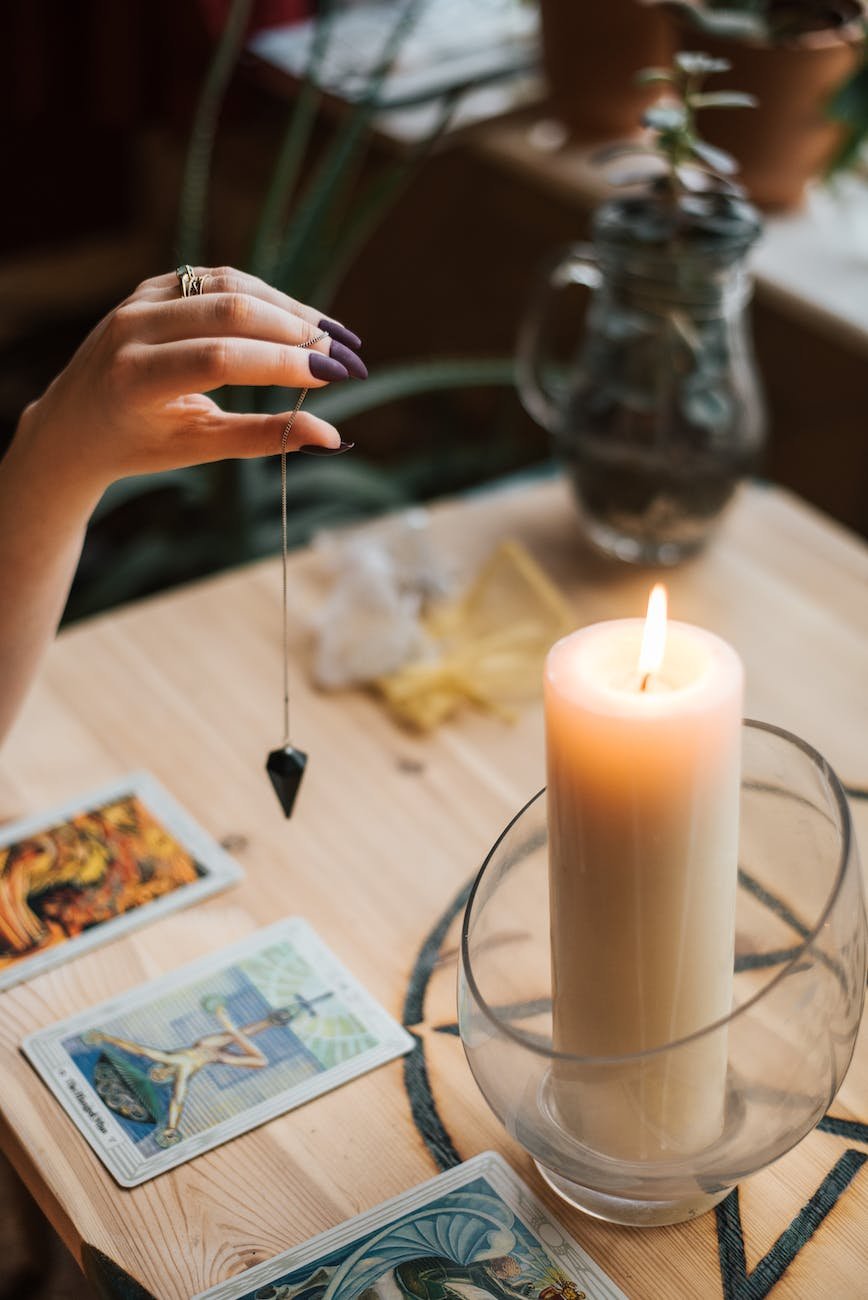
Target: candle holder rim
[{"x": 550, "y": 1053}]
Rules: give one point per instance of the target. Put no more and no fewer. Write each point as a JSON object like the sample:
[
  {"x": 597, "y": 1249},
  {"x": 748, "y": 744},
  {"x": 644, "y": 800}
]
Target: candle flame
[{"x": 654, "y": 635}]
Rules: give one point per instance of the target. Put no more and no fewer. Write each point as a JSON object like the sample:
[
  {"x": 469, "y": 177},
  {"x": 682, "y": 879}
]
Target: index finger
[{"x": 226, "y": 279}]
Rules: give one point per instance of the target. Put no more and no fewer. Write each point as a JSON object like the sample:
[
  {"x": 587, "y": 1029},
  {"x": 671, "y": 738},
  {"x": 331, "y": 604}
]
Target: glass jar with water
[{"x": 658, "y": 413}]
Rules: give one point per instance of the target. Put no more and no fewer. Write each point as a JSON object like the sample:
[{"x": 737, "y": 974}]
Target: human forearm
[{"x": 43, "y": 516}]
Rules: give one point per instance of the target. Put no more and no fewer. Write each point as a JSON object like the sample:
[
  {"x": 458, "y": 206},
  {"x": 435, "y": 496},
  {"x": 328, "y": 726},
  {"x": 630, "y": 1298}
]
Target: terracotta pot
[
  {"x": 592, "y": 50},
  {"x": 788, "y": 139}
]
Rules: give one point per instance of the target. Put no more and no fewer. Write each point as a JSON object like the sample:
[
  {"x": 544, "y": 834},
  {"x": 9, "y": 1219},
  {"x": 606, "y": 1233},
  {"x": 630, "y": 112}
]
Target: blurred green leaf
[
  {"x": 372, "y": 205},
  {"x": 850, "y": 101},
  {"x": 695, "y": 63},
  {"x": 194, "y": 185},
  {"x": 665, "y": 117},
  {"x": 389, "y": 384},
  {"x": 331, "y": 174},
  {"x": 189, "y": 483},
  {"x": 849, "y": 106},
  {"x": 296, "y": 139},
  {"x": 613, "y": 152},
  {"x": 739, "y": 25},
  {"x": 653, "y": 76},
  {"x": 723, "y": 99},
  {"x": 717, "y": 159},
  {"x": 143, "y": 565}
]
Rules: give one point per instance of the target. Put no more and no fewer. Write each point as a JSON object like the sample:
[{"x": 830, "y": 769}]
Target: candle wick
[{"x": 645, "y": 680}]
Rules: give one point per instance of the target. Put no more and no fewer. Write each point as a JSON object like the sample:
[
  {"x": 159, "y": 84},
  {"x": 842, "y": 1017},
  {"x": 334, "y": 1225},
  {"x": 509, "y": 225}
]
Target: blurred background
[{"x": 406, "y": 165}]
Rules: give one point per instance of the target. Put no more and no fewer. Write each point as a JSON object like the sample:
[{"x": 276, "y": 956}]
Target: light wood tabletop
[{"x": 388, "y": 830}]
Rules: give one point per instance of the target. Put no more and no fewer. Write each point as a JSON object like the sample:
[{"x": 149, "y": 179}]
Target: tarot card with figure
[
  {"x": 179, "y": 1065},
  {"x": 95, "y": 867},
  {"x": 473, "y": 1232}
]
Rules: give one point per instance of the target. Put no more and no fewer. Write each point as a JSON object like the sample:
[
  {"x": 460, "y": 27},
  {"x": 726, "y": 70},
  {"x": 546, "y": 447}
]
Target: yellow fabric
[{"x": 491, "y": 643}]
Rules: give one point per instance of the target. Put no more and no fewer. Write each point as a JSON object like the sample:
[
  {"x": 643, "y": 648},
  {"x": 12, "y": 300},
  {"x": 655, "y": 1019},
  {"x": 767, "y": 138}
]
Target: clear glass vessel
[
  {"x": 799, "y": 983},
  {"x": 659, "y": 413}
]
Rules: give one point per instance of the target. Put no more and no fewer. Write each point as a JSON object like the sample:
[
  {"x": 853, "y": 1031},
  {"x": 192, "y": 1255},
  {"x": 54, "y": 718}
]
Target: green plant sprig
[{"x": 690, "y": 164}]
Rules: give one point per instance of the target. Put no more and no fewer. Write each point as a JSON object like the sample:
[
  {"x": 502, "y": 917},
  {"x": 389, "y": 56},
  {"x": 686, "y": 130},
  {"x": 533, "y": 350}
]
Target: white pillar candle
[{"x": 643, "y": 798}]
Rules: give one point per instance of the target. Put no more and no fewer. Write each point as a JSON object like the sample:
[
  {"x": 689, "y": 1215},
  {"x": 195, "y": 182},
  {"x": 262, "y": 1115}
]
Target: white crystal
[{"x": 370, "y": 624}]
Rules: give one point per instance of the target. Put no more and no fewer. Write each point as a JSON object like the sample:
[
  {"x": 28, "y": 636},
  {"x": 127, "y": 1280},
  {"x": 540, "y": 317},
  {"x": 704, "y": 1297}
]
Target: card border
[
  {"x": 523, "y": 1202},
  {"x": 52, "y": 1063},
  {"x": 220, "y": 869}
]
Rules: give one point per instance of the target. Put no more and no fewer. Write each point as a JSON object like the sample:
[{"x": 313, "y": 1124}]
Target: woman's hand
[{"x": 131, "y": 400}]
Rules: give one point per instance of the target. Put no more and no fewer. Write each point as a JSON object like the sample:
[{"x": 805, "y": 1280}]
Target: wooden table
[{"x": 388, "y": 831}]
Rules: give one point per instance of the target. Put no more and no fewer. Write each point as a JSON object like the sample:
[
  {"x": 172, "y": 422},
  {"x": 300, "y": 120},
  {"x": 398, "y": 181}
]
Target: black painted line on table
[
  {"x": 774, "y": 1264},
  {"x": 773, "y": 903},
  {"x": 785, "y": 914},
  {"x": 423, "y": 1108},
  {"x": 852, "y": 1129},
  {"x": 730, "y": 1246},
  {"x": 738, "y": 1284},
  {"x": 420, "y": 1094},
  {"x": 423, "y": 967}
]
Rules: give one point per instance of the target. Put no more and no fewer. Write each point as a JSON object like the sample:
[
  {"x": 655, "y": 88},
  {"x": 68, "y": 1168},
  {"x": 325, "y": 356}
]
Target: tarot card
[
  {"x": 95, "y": 868},
  {"x": 473, "y": 1232},
  {"x": 185, "y": 1062}
]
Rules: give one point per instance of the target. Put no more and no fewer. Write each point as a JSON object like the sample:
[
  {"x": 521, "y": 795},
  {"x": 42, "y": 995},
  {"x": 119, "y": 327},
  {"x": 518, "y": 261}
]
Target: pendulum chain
[{"x": 284, "y": 549}]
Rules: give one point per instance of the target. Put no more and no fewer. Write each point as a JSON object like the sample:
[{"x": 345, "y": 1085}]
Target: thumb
[{"x": 228, "y": 435}]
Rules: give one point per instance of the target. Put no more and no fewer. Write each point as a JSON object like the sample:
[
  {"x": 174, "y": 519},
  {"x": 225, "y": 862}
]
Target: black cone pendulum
[{"x": 285, "y": 768}]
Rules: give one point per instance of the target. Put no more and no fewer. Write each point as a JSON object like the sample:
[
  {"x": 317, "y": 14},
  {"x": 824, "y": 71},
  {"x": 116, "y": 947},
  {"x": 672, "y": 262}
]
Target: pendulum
[{"x": 285, "y": 766}]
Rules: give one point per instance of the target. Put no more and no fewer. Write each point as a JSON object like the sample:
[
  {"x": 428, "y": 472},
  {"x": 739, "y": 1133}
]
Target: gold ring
[
  {"x": 191, "y": 283},
  {"x": 185, "y": 274}
]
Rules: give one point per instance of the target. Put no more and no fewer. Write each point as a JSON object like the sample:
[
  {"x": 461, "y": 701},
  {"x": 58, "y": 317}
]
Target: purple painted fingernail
[
  {"x": 326, "y": 368},
  {"x": 354, "y": 364},
  {"x": 316, "y": 449},
  {"x": 340, "y": 333}
]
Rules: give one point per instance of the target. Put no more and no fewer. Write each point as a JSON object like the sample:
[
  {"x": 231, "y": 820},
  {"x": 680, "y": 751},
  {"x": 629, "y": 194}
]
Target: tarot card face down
[
  {"x": 186, "y": 1062},
  {"x": 476, "y": 1231},
  {"x": 96, "y": 867}
]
